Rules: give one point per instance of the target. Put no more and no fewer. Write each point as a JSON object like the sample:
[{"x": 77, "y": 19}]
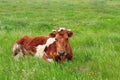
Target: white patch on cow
[
  {"x": 50, "y": 60},
  {"x": 53, "y": 30},
  {"x": 40, "y": 48},
  {"x": 20, "y": 54},
  {"x": 50, "y": 41},
  {"x": 68, "y": 29},
  {"x": 40, "y": 51},
  {"x": 15, "y": 47},
  {"x": 61, "y": 29}
]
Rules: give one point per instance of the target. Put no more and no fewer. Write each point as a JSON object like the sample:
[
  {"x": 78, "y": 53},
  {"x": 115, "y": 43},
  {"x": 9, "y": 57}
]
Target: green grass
[{"x": 96, "y": 41}]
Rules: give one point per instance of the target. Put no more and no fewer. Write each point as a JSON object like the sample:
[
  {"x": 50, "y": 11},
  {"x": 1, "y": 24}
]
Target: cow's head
[{"x": 62, "y": 36}]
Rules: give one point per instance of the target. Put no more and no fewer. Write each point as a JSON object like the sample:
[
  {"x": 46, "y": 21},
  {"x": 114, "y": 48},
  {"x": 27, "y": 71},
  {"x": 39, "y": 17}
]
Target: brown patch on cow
[{"x": 29, "y": 44}]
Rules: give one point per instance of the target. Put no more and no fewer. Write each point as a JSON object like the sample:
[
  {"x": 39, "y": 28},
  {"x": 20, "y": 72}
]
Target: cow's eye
[
  {"x": 66, "y": 38},
  {"x": 56, "y": 39}
]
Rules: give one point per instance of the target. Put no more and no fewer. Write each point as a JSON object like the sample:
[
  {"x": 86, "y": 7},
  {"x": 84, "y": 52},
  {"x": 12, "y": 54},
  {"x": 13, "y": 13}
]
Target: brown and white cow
[{"x": 56, "y": 46}]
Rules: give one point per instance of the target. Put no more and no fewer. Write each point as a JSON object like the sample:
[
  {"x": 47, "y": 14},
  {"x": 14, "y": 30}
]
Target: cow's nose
[{"x": 61, "y": 53}]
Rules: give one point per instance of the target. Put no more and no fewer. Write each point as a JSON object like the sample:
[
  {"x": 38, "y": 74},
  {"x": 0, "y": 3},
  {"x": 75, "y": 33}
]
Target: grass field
[{"x": 96, "y": 41}]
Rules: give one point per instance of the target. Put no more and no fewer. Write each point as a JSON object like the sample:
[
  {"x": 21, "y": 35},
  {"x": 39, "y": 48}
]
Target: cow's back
[
  {"x": 34, "y": 42},
  {"x": 28, "y": 44}
]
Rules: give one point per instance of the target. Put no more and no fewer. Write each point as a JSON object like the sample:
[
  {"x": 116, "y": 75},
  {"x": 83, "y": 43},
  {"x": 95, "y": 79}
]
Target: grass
[{"x": 96, "y": 41}]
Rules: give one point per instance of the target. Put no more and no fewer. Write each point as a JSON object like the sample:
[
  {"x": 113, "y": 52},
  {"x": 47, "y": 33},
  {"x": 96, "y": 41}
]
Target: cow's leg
[
  {"x": 69, "y": 55},
  {"x": 46, "y": 58},
  {"x": 49, "y": 60}
]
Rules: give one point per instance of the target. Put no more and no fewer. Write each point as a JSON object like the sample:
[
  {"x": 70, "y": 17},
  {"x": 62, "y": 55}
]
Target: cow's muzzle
[{"x": 61, "y": 53}]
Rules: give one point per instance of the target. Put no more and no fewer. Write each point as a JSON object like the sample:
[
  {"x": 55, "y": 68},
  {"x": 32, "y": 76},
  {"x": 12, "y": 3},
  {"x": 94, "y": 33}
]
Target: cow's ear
[
  {"x": 52, "y": 34},
  {"x": 70, "y": 33}
]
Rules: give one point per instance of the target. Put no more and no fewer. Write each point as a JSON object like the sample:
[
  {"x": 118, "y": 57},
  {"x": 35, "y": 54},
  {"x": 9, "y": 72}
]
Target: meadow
[{"x": 95, "y": 44}]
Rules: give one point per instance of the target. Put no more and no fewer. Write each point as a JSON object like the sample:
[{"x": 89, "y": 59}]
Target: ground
[{"x": 96, "y": 41}]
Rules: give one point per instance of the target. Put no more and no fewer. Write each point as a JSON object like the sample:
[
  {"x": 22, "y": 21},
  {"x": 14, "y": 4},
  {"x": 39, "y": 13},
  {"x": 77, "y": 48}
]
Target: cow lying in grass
[{"x": 53, "y": 47}]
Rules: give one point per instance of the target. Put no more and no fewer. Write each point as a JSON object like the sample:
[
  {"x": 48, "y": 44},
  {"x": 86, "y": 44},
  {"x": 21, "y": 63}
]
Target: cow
[{"x": 54, "y": 47}]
